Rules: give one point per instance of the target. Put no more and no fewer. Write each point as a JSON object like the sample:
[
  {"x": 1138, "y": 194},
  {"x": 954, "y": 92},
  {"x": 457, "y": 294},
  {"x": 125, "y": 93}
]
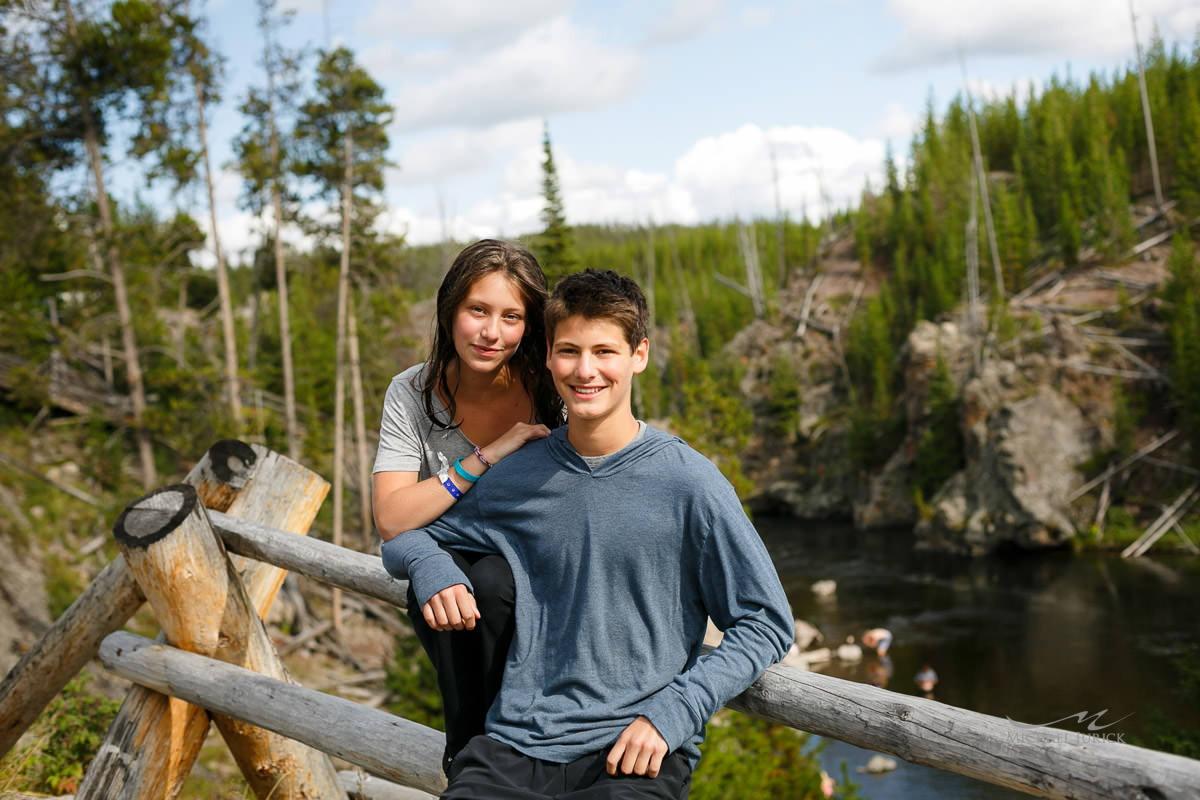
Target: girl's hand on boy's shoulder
[{"x": 513, "y": 440}]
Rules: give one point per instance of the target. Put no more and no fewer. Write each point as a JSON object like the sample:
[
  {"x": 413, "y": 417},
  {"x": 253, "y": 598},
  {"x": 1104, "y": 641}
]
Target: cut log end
[
  {"x": 155, "y": 515},
  {"x": 232, "y": 461}
]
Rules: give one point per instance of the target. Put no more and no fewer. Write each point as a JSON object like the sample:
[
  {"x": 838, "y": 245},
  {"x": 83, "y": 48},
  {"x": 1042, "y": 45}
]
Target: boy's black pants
[
  {"x": 490, "y": 770},
  {"x": 470, "y": 664}
]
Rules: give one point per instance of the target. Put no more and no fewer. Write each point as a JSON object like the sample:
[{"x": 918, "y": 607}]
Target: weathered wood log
[
  {"x": 1049, "y": 762},
  {"x": 106, "y": 605},
  {"x": 383, "y": 744},
  {"x": 361, "y": 786},
  {"x": 202, "y": 606},
  {"x": 332, "y": 565},
  {"x": 150, "y": 748},
  {"x": 1170, "y": 515}
]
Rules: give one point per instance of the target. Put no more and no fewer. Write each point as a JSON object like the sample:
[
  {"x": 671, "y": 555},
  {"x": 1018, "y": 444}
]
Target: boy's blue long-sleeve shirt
[{"x": 616, "y": 570}]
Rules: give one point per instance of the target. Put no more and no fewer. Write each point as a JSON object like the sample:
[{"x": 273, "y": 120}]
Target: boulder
[{"x": 1024, "y": 442}]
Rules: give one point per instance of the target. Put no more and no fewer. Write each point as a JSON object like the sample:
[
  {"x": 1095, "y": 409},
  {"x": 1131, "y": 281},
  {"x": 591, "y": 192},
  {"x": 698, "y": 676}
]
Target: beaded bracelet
[
  {"x": 444, "y": 477},
  {"x": 462, "y": 472},
  {"x": 482, "y": 460}
]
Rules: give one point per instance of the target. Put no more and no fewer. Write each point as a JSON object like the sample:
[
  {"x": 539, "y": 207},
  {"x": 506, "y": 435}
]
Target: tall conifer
[{"x": 556, "y": 244}]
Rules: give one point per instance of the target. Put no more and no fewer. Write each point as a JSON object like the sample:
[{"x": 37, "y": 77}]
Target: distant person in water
[
  {"x": 925, "y": 679},
  {"x": 877, "y": 639}
]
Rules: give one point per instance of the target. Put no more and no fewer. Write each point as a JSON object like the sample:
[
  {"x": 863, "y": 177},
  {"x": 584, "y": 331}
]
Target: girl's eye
[{"x": 513, "y": 317}]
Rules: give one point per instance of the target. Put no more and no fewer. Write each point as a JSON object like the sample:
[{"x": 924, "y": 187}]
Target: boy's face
[{"x": 593, "y": 367}]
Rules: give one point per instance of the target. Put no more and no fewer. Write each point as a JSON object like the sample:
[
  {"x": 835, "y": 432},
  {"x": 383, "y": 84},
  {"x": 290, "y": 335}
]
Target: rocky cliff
[{"x": 1036, "y": 395}]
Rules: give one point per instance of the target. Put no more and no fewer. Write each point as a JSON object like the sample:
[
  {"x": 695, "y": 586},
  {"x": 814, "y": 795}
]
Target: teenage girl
[{"x": 482, "y": 394}]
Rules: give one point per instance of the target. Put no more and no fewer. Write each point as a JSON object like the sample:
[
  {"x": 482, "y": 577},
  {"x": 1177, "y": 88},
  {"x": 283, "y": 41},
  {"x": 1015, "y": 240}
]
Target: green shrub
[
  {"x": 783, "y": 398},
  {"x": 940, "y": 447},
  {"x": 66, "y": 738},
  {"x": 746, "y": 759}
]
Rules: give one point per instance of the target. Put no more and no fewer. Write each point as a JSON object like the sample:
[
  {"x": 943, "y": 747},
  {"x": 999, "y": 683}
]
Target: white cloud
[
  {"x": 686, "y": 20},
  {"x": 549, "y": 68},
  {"x": 819, "y": 169},
  {"x": 719, "y": 177},
  {"x": 935, "y": 31},
  {"x": 462, "y": 150}
]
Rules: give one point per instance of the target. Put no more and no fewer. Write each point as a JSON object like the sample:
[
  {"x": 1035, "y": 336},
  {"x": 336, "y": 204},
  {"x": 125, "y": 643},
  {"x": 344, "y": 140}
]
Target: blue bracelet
[
  {"x": 462, "y": 472},
  {"x": 454, "y": 491}
]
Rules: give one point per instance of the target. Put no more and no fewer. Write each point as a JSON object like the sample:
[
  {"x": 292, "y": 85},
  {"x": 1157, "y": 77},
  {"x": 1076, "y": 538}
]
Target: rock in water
[{"x": 878, "y": 765}]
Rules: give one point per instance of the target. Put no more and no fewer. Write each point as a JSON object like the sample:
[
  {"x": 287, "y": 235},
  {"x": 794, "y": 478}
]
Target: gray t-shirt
[
  {"x": 408, "y": 440},
  {"x": 595, "y": 461}
]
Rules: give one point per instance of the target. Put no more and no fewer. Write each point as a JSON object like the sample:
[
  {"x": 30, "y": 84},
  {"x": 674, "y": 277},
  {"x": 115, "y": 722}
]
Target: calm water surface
[{"x": 1033, "y": 637}]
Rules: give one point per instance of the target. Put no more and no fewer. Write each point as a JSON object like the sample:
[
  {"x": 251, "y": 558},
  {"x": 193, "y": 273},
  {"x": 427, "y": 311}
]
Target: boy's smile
[{"x": 593, "y": 368}]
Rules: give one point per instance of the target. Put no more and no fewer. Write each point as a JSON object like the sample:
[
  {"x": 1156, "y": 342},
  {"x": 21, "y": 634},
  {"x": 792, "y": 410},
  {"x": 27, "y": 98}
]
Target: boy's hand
[
  {"x": 451, "y": 609},
  {"x": 639, "y": 750}
]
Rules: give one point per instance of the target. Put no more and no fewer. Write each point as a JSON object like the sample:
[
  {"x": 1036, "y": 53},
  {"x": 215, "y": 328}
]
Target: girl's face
[{"x": 489, "y": 323}]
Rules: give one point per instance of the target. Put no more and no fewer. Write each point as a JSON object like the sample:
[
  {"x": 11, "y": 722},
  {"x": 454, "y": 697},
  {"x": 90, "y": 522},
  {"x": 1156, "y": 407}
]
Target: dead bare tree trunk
[
  {"x": 1158, "y": 192},
  {"x": 339, "y": 392},
  {"x": 281, "y": 282},
  {"x": 233, "y": 384},
  {"x": 133, "y": 365},
  {"x": 360, "y": 431},
  {"x": 983, "y": 189}
]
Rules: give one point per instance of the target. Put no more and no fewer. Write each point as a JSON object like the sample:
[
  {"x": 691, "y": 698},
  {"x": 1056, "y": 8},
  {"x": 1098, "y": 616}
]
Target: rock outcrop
[{"x": 1023, "y": 457}]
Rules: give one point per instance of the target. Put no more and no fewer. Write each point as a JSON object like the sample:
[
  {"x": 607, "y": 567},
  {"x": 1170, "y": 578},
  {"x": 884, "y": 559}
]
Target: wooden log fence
[
  {"x": 1048, "y": 762},
  {"x": 150, "y": 748},
  {"x": 112, "y": 598}
]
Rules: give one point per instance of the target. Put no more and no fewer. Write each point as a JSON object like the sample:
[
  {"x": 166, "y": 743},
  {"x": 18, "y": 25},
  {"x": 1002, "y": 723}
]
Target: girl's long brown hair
[{"x": 529, "y": 362}]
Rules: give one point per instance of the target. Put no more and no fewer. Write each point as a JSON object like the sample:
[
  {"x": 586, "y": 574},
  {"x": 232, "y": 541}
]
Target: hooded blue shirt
[{"x": 616, "y": 570}]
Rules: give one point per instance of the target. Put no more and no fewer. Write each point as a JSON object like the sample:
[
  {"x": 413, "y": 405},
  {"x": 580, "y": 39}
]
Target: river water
[{"x": 1036, "y": 638}]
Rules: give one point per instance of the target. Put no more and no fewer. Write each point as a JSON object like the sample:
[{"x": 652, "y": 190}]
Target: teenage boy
[{"x": 622, "y": 541}]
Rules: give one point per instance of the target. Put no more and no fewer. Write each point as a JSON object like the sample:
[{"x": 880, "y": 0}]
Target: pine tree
[
  {"x": 556, "y": 244},
  {"x": 1187, "y": 168},
  {"x": 1183, "y": 290},
  {"x": 343, "y": 135}
]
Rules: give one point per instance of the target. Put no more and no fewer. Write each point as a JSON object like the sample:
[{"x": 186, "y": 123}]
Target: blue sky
[{"x": 666, "y": 111}]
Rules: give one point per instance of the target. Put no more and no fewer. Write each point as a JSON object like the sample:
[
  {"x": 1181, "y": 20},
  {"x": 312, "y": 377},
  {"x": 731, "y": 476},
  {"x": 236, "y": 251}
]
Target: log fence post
[
  {"x": 152, "y": 745},
  {"x": 112, "y": 598},
  {"x": 202, "y": 607}
]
